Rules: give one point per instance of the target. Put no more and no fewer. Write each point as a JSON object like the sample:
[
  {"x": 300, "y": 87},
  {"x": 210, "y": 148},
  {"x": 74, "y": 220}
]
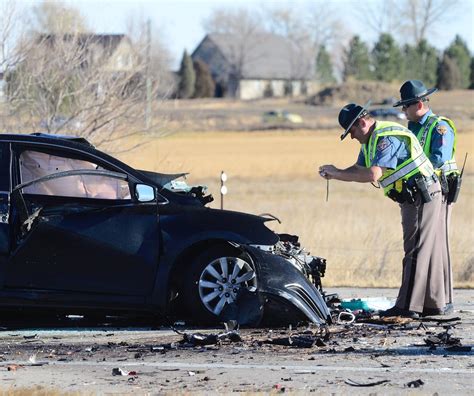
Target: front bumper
[{"x": 281, "y": 282}]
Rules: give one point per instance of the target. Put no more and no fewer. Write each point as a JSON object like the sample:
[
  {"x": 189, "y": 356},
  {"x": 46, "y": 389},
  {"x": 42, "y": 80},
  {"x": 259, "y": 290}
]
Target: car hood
[
  {"x": 161, "y": 179},
  {"x": 204, "y": 223}
]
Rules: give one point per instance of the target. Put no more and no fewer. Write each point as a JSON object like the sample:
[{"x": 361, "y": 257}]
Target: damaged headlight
[{"x": 288, "y": 247}]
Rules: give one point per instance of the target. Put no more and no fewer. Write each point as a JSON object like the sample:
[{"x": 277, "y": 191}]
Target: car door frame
[{"x": 18, "y": 147}]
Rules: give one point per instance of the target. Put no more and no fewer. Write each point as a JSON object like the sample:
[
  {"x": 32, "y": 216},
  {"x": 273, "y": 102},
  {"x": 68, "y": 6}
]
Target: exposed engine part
[{"x": 312, "y": 266}]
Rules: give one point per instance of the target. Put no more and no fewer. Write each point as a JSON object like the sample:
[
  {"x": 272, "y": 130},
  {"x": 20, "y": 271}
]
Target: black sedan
[{"x": 81, "y": 232}]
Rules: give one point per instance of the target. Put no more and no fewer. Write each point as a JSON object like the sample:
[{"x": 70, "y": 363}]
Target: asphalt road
[{"x": 124, "y": 358}]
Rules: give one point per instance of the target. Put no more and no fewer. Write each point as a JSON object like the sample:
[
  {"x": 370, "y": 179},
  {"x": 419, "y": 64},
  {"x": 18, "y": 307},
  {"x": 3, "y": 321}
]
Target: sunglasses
[{"x": 404, "y": 107}]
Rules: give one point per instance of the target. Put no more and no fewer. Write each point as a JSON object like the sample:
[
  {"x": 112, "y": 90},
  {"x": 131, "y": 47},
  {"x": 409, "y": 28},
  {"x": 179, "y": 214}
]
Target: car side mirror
[{"x": 145, "y": 193}]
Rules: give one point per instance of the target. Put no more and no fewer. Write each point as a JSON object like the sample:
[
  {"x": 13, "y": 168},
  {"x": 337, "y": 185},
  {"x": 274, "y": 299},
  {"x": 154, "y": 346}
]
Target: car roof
[
  {"x": 44, "y": 137},
  {"x": 71, "y": 142}
]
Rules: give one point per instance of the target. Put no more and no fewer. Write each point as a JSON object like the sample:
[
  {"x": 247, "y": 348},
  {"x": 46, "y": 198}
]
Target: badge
[
  {"x": 442, "y": 129},
  {"x": 383, "y": 144}
]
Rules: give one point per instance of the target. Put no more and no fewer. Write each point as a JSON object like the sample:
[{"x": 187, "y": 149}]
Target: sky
[{"x": 180, "y": 21}]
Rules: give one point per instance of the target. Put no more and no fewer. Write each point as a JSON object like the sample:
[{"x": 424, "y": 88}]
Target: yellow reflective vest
[
  {"x": 416, "y": 163},
  {"x": 424, "y": 136}
]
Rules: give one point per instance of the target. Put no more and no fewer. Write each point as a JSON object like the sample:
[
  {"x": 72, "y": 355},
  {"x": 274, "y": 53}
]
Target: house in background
[
  {"x": 262, "y": 65},
  {"x": 113, "y": 52}
]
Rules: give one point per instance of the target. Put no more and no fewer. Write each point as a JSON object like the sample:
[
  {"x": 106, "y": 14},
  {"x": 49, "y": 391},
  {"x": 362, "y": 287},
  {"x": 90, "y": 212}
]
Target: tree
[
  {"x": 472, "y": 73},
  {"x": 187, "y": 77},
  {"x": 421, "y": 63},
  {"x": 357, "y": 61},
  {"x": 205, "y": 86},
  {"x": 148, "y": 42},
  {"x": 387, "y": 59},
  {"x": 244, "y": 27},
  {"x": 449, "y": 76},
  {"x": 324, "y": 70},
  {"x": 268, "y": 91},
  {"x": 64, "y": 81},
  {"x": 81, "y": 86},
  {"x": 307, "y": 31},
  {"x": 57, "y": 18},
  {"x": 11, "y": 32},
  {"x": 459, "y": 53},
  {"x": 420, "y": 16}
]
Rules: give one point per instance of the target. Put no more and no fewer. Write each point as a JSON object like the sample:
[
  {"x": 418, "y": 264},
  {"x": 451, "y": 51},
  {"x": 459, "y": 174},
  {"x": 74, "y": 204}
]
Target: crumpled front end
[{"x": 289, "y": 284}]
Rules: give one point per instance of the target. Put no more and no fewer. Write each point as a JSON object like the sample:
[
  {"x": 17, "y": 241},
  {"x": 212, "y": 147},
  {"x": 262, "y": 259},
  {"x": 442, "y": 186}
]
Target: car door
[
  {"x": 4, "y": 207},
  {"x": 79, "y": 230}
]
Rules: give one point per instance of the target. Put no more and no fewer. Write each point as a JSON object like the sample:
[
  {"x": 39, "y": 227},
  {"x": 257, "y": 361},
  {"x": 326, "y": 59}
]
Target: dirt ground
[{"x": 414, "y": 357}]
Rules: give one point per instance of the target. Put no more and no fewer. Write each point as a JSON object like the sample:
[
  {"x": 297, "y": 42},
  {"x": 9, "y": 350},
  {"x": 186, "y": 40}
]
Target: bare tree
[
  {"x": 78, "y": 89},
  {"x": 242, "y": 33},
  {"x": 307, "y": 31},
  {"x": 12, "y": 35},
  {"x": 422, "y": 15},
  {"x": 86, "y": 84},
  {"x": 381, "y": 16},
  {"x": 418, "y": 17},
  {"x": 56, "y": 17},
  {"x": 150, "y": 45},
  {"x": 286, "y": 22}
]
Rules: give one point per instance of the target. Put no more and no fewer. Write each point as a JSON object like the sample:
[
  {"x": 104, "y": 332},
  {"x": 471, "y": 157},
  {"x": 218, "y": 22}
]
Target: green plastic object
[{"x": 367, "y": 304}]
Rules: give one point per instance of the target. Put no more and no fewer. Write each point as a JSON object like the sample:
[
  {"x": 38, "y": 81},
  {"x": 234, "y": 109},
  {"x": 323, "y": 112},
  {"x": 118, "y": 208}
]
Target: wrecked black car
[{"x": 81, "y": 232}]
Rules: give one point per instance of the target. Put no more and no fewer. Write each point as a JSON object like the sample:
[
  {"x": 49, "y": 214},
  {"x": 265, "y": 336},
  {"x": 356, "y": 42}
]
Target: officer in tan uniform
[
  {"x": 437, "y": 136},
  {"x": 392, "y": 156}
]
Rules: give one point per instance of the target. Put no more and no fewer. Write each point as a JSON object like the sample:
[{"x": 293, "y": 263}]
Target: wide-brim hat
[
  {"x": 412, "y": 91},
  {"x": 349, "y": 114}
]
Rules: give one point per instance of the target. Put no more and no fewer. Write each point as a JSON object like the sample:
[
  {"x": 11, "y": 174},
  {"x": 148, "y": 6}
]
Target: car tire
[{"x": 216, "y": 280}]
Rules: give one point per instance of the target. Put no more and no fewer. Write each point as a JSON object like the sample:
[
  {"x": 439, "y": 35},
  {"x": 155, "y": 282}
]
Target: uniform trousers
[
  {"x": 443, "y": 242},
  {"x": 423, "y": 274}
]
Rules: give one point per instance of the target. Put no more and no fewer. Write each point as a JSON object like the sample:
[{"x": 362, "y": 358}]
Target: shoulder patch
[
  {"x": 383, "y": 144},
  {"x": 441, "y": 129}
]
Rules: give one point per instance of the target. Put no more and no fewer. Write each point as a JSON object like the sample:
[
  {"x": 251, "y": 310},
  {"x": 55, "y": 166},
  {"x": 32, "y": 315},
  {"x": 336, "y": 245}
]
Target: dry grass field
[{"x": 357, "y": 230}]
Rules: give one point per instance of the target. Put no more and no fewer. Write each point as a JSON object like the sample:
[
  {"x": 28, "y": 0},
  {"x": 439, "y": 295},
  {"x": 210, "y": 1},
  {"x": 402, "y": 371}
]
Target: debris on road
[
  {"x": 355, "y": 383},
  {"x": 415, "y": 384},
  {"x": 119, "y": 371}
]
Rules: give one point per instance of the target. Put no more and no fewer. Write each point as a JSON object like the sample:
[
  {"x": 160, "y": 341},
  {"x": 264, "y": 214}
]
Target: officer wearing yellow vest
[
  {"x": 392, "y": 156},
  {"x": 437, "y": 136}
]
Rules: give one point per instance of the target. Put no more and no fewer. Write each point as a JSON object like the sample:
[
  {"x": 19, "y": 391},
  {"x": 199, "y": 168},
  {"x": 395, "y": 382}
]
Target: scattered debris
[
  {"x": 119, "y": 371},
  {"x": 345, "y": 317},
  {"x": 198, "y": 339},
  {"x": 443, "y": 338},
  {"x": 354, "y": 383},
  {"x": 415, "y": 384},
  {"x": 302, "y": 341}
]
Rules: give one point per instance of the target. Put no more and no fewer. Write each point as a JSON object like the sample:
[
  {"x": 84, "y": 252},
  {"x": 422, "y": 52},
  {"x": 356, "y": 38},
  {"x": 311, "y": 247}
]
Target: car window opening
[{"x": 34, "y": 165}]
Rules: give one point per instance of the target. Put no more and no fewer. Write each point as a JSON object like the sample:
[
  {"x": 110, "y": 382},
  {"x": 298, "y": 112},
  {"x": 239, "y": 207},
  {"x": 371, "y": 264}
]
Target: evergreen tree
[
  {"x": 187, "y": 77},
  {"x": 288, "y": 88},
  {"x": 268, "y": 91},
  {"x": 472, "y": 73},
  {"x": 459, "y": 53},
  {"x": 449, "y": 76},
  {"x": 387, "y": 59},
  {"x": 421, "y": 63},
  {"x": 324, "y": 70},
  {"x": 357, "y": 61},
  {"x": 205, "y": 85}
]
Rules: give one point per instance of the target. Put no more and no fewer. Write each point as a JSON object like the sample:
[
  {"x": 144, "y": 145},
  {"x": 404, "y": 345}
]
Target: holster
[
  {"x": 407, "y": 194},
  {"x": 422, "y": 185},
  {"x": 396, "y": 196},
  {"x": 443, "y": 180},
  {"x": 454, "y": 186}
]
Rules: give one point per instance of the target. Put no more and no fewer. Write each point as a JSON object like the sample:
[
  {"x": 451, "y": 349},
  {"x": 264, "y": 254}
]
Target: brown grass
[{"x": 358, "y": 230}]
